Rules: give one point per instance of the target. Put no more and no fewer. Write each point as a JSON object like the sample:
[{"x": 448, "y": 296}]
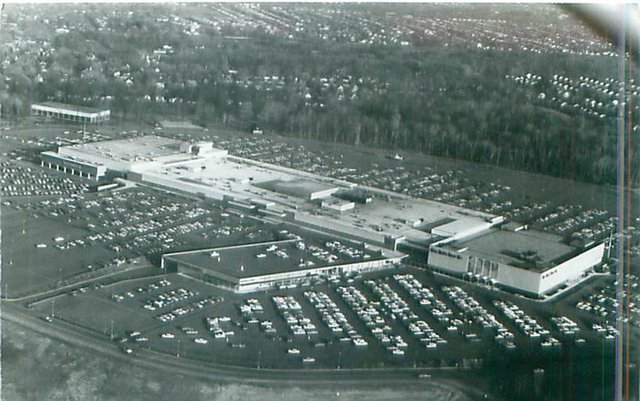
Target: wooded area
[{"x": 451, "y": 102}]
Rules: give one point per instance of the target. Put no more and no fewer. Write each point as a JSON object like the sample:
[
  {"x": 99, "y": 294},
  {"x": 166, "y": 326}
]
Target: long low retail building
[
  {"x": 70, "y": 112},
  {"x": 262, "y": 266}
]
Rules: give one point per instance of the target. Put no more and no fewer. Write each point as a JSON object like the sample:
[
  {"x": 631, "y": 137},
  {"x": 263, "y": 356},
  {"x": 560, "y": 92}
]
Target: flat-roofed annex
[
  {"x": 64, "y": 107},
  {"x": 251, "y": 260},
  {"x": 503, "y": 246}
]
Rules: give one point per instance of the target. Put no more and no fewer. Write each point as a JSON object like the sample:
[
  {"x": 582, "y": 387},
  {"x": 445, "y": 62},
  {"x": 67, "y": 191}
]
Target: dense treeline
[{"x": 443, "y": 101}]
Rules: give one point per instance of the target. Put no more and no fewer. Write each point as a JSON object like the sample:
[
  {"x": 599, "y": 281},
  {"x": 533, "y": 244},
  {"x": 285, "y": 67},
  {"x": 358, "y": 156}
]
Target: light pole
[
  {"x": 259, "y": 355},
  {"x": 11, "y": 251}
]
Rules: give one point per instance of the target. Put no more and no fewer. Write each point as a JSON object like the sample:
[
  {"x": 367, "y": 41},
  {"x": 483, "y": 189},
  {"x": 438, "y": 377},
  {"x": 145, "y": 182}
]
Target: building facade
[
  {"x": 68, "y": 112},
  {"x": 73, "y": 166},
  {"x": 493, "y": 270},
  {"x": 256, "y": 276}
]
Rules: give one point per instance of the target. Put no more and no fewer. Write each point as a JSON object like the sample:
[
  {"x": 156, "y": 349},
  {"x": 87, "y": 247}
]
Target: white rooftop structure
[
  {"x": 139, "y": 154},
  {"x": 201, "y": 169}
]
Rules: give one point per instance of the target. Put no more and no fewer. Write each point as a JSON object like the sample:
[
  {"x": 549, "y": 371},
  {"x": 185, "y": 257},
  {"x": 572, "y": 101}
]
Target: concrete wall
[
  {"x": 62, "y": 163},
  {"x": 448, "y": 263},
  {"x": 255, "y": 283},
  {"x": 251, "y": 284},
  {"x": 322, "y": 194},
  {"x": 519, "y": 279},
  {"x": 508, "y": 276},
  {"x": 339, "y": 206},
  {"x": 572, "y": 268},
  {"x": 532, "y": 282}
]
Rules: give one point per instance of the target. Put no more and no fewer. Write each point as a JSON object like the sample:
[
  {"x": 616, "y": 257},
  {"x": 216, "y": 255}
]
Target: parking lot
[
  {"x": 26, "y": 180},
  {"x": 401, "y": 317},
  {"x": 54, "y": 239},
  {"x": 398, "y": 318},
  {"x": 145, "y": 221},
  {"x": 603, "y": 303},
  {"x": 30, "y": 260}
]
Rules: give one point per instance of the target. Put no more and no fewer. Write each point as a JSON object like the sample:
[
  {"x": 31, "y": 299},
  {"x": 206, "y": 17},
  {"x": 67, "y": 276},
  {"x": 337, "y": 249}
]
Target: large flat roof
[
  {"x": 224, "y": 170},
  {"x": 388, "y": 213},
  {"x": 261, "y": 259},
  {"x": 528, "y": 249},
  {"x": 72, "y": 107},
  {"x": 141, "y": 148}
]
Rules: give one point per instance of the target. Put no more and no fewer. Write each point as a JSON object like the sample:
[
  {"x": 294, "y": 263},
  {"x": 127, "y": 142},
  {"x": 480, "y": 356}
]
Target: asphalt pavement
[{"x": 232, "y": 374}]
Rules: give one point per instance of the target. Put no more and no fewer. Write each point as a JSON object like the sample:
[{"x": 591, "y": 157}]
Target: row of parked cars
[
  {"x": 528, "y": 325},
  {"x": 371, "y": 315},
  {"x": 474, "y": 311},
  {"x": 17, "y": 180},
  {"x": 291, "y": 312},
  {"x": 334, "y": 318},
  {"x": 400, "y": 311}
]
